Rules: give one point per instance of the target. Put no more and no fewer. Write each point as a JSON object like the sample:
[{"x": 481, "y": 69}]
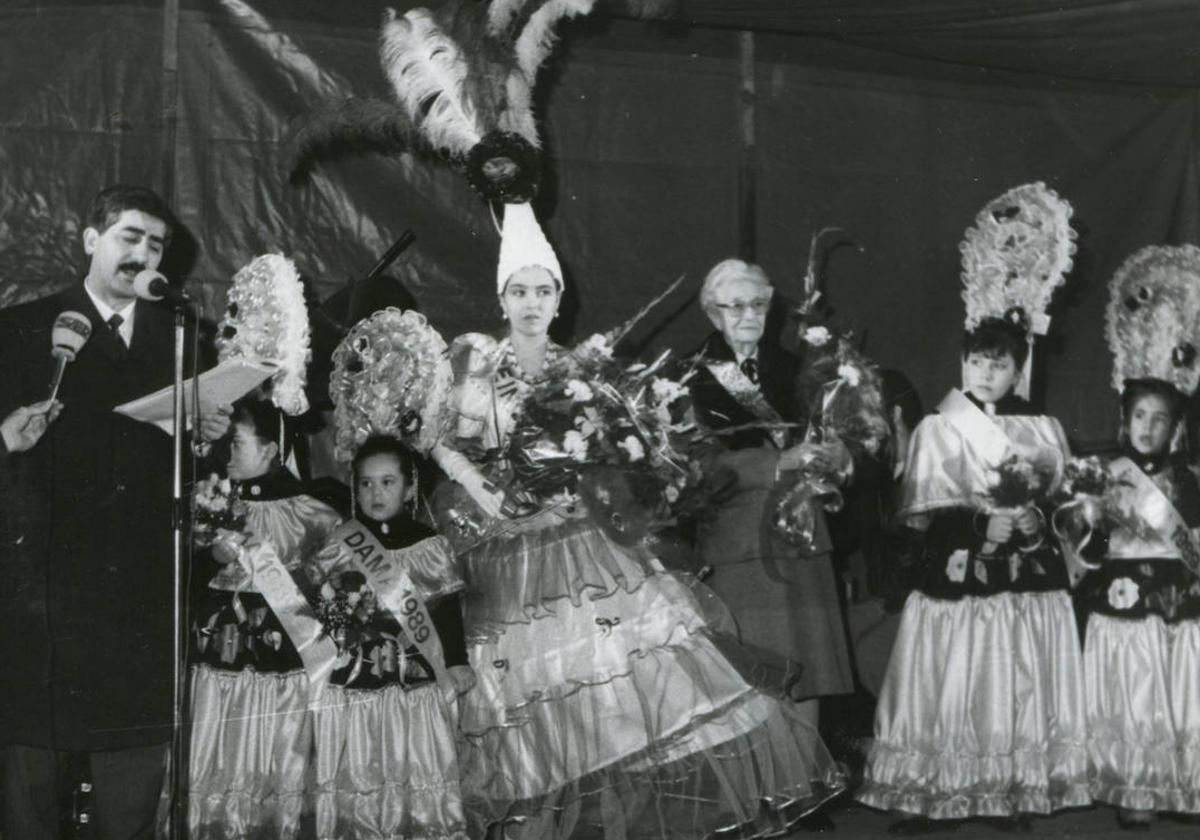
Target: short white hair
[{"x": 725, "y": 272}]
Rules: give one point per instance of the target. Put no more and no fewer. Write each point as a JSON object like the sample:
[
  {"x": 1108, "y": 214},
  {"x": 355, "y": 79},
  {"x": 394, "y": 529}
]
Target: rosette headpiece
[
  {"x": 1013, "y": 258},
  {"x": 391, "y": 376},
  {"x": 266, "y": 319},
  {"x": 1153, "y": 318}
]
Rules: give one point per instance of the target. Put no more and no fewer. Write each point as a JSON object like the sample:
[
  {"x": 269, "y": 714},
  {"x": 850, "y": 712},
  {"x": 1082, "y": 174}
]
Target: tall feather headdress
[
  {"x": 1153, "y": 319},
  {"x": 463, "y": 77},
  {"x": 1014, "y": 257}
]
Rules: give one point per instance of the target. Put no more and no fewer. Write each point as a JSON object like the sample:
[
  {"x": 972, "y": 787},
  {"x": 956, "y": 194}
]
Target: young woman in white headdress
[
  {"x": 981, "y": 710},
  {"x": 1142, "y": 644},
  {"x": 602, "y": 703}
]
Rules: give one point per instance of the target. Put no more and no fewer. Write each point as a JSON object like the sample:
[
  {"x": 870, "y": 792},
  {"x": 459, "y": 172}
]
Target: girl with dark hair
[
  {"x": 386, "y": 760},
  {"x": 1142, "y": 643},
  {"x": 256, "y": 646}
]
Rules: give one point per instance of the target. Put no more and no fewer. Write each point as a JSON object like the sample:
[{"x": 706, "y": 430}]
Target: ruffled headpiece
[
  {"x": 1014, "y": 256},
  {"x": 523, "y": 244},
  {"x": 1153, "y": 319},
  {"x": 266, "y": 319},
  {"x": 391, "y": 377}
]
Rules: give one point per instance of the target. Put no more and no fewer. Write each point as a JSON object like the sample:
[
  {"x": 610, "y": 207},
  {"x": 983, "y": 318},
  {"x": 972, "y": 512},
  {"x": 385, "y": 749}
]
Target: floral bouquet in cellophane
[
  {"x": 843, "y": 398},
  {"x": 366, "y": 635},
  {"x": 1019, "y": 481},
  {"x": 616, "y": 435},
  {"x": 1087, "y": 505},
  {"x": 216, "y": 506}
]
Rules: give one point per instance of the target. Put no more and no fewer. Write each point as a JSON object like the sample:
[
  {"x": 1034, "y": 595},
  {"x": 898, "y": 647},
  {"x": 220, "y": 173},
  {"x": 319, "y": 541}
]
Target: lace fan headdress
[
  {"x": 391, "y": 376},
  {"x": 1153, "y": 319},
  {"x": 463, "y": 76},
  {"x": 266, "y": 319},
  {"x": 1013, "y": 258}
]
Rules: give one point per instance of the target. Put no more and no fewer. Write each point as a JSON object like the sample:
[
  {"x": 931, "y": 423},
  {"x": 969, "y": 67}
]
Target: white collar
[{"x": 106, "y": 312}]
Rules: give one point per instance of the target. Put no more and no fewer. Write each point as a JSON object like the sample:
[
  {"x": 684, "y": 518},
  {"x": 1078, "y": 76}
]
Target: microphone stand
[{"x": 178, "y": 816}]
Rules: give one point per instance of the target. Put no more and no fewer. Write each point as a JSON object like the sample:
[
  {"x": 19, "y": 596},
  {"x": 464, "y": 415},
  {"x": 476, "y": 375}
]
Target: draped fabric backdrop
[{"x": 894, "y": 123}]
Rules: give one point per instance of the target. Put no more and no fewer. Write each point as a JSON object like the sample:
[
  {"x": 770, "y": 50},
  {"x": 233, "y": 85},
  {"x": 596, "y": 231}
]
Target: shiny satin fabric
[
  {"x": 297, "y": 526},
  {"x": 1142, "y": 681},
  {"x": 1146, "y": 499},
  {"x": 945, "y": 470},
  {"x": 981, "y": 712},
  {"x": 251, "y": 743},
  {"x": 596, "y": 675},
  {"x": 386, "y": 765}
]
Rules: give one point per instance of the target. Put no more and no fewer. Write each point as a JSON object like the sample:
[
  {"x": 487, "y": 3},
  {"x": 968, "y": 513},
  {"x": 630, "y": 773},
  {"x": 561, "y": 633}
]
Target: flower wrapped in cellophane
[
  {"x": 390, "y": 377},
  {"x": 843, "y": 396},
  {"x": 1087, "y": 507},
  {"x": 616, "y": 435},
  {"x": 216, "y": 506},
  {"x": 367, "y": 636},
  {"x": 266, "y": 320}
]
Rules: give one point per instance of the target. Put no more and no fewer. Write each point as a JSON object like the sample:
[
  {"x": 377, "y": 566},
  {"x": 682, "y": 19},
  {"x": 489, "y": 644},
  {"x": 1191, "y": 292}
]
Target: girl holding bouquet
[
  {"x": 257, "y": 646},
  {"x": 981, "y": 710},
  {"x": 386, "y": 759},
  {"x": 1142, "y": 645},
  {"x": 601, "y": 698}
]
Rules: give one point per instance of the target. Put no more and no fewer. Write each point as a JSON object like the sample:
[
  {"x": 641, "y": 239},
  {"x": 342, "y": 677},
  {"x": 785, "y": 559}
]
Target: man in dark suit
[{"x": 85, "y": 540}]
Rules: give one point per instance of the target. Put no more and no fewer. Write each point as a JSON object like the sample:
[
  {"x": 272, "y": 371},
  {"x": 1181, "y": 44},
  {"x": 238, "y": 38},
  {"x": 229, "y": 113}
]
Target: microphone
[
  {"x": 150, "y": 285},
  {"x": 70, "y": 332}
]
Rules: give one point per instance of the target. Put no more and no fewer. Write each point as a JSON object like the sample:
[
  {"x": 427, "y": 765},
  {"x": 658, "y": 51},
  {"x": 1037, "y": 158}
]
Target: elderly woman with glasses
[{"x": 785, "y": 606}]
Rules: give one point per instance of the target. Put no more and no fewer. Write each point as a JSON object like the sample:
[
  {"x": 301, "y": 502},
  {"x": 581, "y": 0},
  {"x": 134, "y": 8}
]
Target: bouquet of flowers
[
  {"x": 1019, "y": 481},
  {"x": 617, "y": 435},
  {"x": 1086, "y": 505},
  {"x": 216, "y": 506},
  {"x": 842, "y": 397}
]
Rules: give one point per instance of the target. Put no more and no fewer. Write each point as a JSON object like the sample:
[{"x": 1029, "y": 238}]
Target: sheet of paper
[{"x": 222, "y": 385}]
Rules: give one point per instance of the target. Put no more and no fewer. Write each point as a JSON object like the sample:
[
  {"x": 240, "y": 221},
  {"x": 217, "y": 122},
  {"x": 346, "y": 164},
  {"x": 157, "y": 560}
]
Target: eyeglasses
[{"x": 758, "y": 306}]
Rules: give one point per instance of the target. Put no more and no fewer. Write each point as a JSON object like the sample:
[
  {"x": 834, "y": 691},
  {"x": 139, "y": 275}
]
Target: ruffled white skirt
[
  {"x": 604, "y": 705},
  {"x": 1143, "y": 712},
  {"x": 386, "y": 765},
  {"x": 981, "y": 712},
  {"x": 249, "y": 754}
]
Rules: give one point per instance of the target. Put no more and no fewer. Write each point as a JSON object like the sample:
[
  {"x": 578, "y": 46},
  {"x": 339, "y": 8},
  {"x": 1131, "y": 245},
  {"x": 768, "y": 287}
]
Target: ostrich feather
[
  {"x": 428, "y": 71},
  {"x": 357, "y": 125},
  {"x": 537, "y": 37},
  {"x": 501, "y": 15}
]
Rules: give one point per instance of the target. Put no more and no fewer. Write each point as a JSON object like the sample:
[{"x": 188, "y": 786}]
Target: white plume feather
[
  {"x": 428, "y": 72},
  {"x": 537, "y": 39}
]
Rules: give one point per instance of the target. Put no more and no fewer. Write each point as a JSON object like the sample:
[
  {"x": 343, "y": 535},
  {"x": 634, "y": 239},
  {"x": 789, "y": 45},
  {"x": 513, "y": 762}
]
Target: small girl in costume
[
  {"x": 1142, "y": 649},
  {"x": 386, "y": 762},
  {"x": 981, "y": 710},
  {"x": 257, "y": 647}
]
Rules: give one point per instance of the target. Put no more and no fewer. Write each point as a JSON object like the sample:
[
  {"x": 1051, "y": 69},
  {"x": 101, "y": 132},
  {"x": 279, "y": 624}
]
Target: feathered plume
[
  {"x": 356, "y": 126},
  {"x": 428, "y": 73},
  {"x": 538, "y": 37}
]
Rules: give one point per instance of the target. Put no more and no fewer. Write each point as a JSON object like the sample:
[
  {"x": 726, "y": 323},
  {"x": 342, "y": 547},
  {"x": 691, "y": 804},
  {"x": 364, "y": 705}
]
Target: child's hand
[
  {"x": 462, "y": 679},
  {"x": 226, "y": 546},
  {"x": 999, "y": 529},
  {"x": 1027, "y": 522}
]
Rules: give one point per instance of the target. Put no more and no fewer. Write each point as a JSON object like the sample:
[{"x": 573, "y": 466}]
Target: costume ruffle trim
[{"x": 1027, "y": 781}]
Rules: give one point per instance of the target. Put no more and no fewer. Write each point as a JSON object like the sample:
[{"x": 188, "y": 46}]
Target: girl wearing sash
[
  {"x": 603, "y": 703},
  {"x": 981, "y": 709},
  {"x": 257, "y": 645},
  {"x": 386, "y": 760},
  {"x": 1142, "y": 644}
]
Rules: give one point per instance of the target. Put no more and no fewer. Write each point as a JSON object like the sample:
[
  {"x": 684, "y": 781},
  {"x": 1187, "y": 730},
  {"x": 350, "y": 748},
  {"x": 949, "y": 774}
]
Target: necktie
[
  {"x": 750, "y": 368},
  {"x": 114, "y": 324}
]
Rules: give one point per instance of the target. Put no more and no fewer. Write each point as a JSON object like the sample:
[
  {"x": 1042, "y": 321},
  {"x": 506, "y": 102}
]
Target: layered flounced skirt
[
  {"x": 981, "y": 712},
  {"x": 1143, "y": 712},
  {"x": 249, "y": 754},
  {"x": 387, "y": 765},
  {"x": 604, "y": 706}
]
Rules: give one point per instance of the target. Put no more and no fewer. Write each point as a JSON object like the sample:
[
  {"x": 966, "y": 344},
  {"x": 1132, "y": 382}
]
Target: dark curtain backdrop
[{"x": 895, "y": 126}]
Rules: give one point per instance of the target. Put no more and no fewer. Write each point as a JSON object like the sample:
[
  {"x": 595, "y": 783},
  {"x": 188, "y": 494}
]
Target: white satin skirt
[
  {"x": 1143, "y": 712},
  {"x": 249, "y": 755},
  {"x": 604, "y": 707},
  {"x": 386, "y": 765},
  {"x": 981, "y": 712}
]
